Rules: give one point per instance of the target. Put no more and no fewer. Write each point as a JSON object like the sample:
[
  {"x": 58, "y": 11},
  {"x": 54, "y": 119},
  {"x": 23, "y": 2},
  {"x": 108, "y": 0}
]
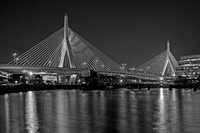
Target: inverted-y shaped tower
[
  {"x": 168, "y": 62},
  {"x": 66, "y": 52},
  {"x": 163, "y": 64},
  {"x": 66, "y": 56}
]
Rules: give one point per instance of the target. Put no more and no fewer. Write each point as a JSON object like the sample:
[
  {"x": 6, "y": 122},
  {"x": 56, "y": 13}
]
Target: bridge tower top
[
  {"x": 66, "y": 50},
  {"x": 168, "y": 45},
  {"x": 65, "y": 26}
]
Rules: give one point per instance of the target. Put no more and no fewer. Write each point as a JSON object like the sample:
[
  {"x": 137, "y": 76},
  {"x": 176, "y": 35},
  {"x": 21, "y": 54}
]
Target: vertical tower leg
[{"x": 67, "y": 53}]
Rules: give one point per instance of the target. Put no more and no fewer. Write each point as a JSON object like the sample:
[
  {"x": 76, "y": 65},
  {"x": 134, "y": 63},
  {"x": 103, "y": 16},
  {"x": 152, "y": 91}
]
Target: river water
[{"x": 111, "y": 111}]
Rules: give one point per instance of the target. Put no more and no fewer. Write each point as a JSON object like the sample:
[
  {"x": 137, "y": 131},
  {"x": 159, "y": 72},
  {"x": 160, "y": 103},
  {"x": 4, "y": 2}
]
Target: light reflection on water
[
  {"x": 31, "y": 113},
  {"x": 62, "y": 111},
  {"x": 161, "y": 115},
  {"x": 7, "y": 113}
]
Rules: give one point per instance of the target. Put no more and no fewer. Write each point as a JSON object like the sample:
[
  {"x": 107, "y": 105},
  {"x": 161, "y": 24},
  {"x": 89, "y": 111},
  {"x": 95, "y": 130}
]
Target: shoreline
[{"x": 17, "y": 88}]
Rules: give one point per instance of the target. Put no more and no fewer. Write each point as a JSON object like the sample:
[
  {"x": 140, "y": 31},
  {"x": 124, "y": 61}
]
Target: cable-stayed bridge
[
  {"x": 66, "y": 52},
  {"x": 163, "y": 65}
]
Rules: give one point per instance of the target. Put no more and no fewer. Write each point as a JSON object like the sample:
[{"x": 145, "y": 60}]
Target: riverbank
[{"x": 14, "y": 88}]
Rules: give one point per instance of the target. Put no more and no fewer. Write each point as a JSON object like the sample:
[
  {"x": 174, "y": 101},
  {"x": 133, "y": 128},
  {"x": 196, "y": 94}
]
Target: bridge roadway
[{"x": 68, "y": 71}]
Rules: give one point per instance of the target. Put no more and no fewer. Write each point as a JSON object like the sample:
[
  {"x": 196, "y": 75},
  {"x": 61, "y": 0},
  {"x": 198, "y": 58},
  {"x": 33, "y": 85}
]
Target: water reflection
[
  {"x": 6, "y": 100},
  {"x": 14, "y": 113},
  {"x": 124, "y": 113},
  {"x": 31, "y": 113},
  {"x": 161, "y": 124},
  {"x": 61, "y": 111},
  {"x": 175, "y": 111},
  {"x": 48, "y": 113}
]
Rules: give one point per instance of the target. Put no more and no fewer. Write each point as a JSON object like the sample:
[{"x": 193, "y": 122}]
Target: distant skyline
[{"x": 127, "y": 32}]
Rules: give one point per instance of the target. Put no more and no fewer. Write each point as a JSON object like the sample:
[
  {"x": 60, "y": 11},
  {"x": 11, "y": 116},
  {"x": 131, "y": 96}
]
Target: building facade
[{"x": 189, "y": 67}]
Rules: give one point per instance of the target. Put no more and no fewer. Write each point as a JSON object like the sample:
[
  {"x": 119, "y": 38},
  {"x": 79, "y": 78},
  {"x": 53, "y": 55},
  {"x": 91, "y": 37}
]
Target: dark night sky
[{"x": 131, "y": 32}]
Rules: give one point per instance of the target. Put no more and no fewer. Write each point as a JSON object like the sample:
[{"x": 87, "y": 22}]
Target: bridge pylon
[
  {"x": 67, "y": 53},
  {"x": 168, "y": 62},
  {"x": 163, "y": 64}
]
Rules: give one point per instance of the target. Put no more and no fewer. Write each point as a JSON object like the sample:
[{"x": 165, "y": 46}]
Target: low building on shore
[{"x": 189, "y": 67}]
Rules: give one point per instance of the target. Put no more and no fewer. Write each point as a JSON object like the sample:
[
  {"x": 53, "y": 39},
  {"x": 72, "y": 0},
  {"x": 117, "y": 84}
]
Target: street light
[
  {"x": 123, "y": 66},
  {"x": 14, "y": 55},
  {"x": 132, "y": 69},
  {"x": 30, "y": 73}
]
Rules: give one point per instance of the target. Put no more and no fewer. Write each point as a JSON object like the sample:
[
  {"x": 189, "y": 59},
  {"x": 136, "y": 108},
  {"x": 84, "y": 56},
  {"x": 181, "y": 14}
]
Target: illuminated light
[
  {"x": 24, "y": 71},
  {"x": 173, "y": 75},
  {"x": 123, "y": 64},
  {"x": 132, "y": 69},
  {"x": 14, "y": 54},
  {"x": 50, "y": 62},
  {"x": 161, "y": 78},
  {"x": 31, "y": 113},
  {"x": 6, "y": 95},
  {"x": 121, "y": 81},
  {"x": 30, "y": 73},
  {"x": 7, "y": 113}
]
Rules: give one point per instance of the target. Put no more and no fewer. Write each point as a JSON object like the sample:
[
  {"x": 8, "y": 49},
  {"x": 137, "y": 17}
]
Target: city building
[{"x": 189, "y": 67}]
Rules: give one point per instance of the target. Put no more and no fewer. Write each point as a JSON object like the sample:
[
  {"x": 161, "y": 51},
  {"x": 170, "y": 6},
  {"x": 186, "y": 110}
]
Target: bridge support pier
[
  {"x": 195, "y": 89},
  {"x": 149, "y": 87},
  {"x": 140, "y": 87},
  {"x": 170, "y": 88},
  {"x": 62, "y": 79},
  {"x": 72, "y": 79}
]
